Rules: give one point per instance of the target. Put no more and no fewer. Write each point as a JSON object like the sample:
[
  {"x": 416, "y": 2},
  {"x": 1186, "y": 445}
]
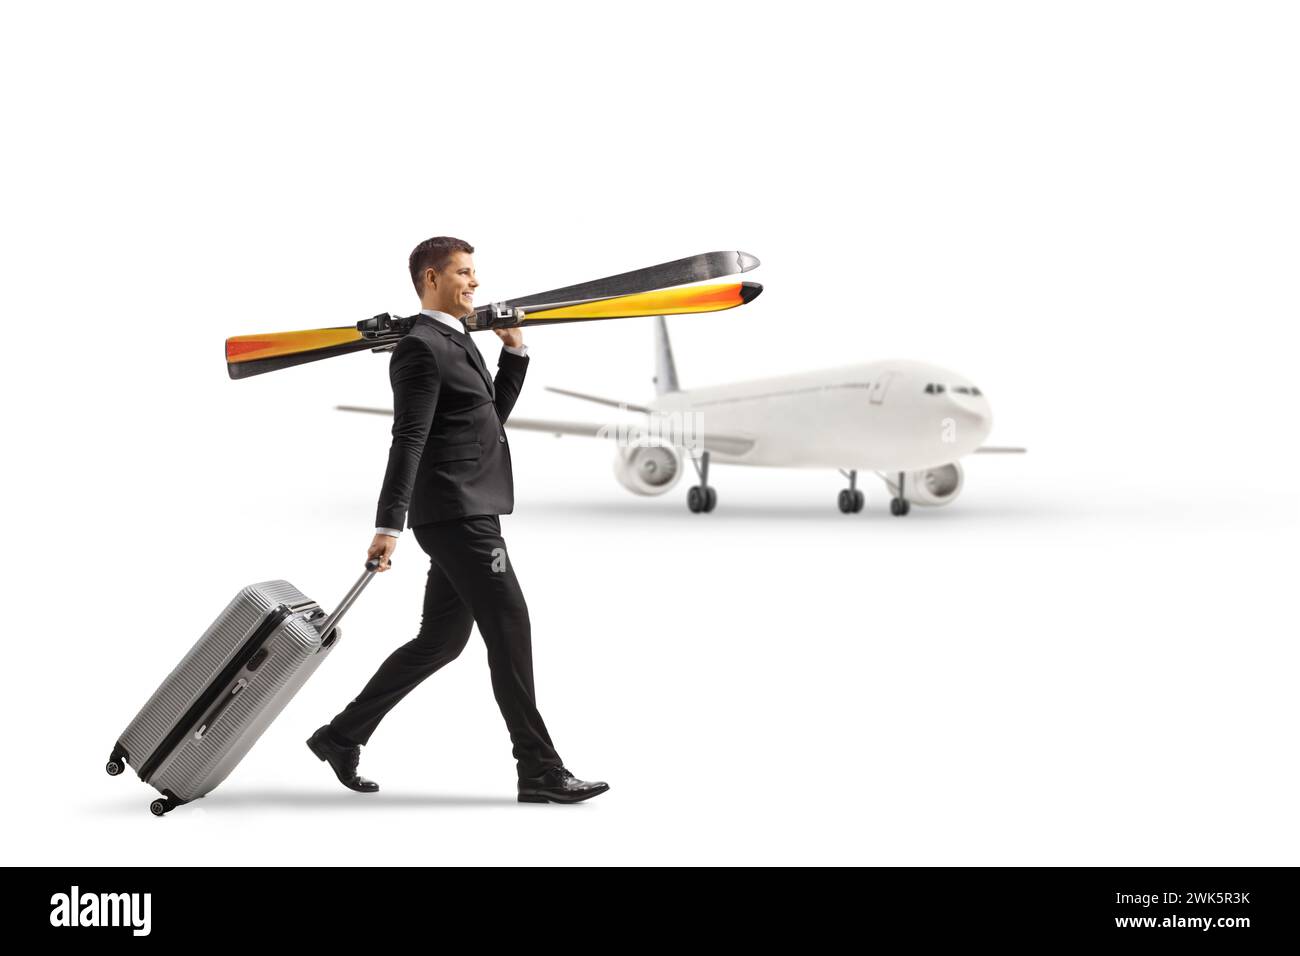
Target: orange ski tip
[
  {"x": 245, "y": 348},
  {"x": 239, "y": 345}
]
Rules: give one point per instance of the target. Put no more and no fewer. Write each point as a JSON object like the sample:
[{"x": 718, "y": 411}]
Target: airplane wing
[
  {"x": 597, "y": 399},
  {"x": 558, "y": 428},
  {"x": 725, "y": 444}
]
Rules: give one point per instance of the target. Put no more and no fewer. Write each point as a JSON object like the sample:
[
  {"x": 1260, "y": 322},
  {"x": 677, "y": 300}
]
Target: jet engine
[
  {"x": 648, "y": 469},
  {"x": 930, "y": 486}
]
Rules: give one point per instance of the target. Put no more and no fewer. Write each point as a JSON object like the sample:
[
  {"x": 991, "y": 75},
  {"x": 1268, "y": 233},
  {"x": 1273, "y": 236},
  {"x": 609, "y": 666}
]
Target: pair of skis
[{"x": 640, "y": 292}]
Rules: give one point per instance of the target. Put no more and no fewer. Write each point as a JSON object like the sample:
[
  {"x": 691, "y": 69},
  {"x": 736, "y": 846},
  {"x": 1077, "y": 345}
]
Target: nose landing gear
[{"x": 900, "y": 506}]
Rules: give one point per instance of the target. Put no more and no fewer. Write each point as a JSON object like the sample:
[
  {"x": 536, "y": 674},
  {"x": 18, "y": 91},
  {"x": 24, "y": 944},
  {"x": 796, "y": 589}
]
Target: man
[{"x": 449, "y": 478}]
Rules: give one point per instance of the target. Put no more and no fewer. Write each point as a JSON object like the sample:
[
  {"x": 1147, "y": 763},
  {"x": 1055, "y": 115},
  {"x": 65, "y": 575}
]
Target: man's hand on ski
[
  {"x": 382, "y": 547},
  {"x": 512, "y": 337}
]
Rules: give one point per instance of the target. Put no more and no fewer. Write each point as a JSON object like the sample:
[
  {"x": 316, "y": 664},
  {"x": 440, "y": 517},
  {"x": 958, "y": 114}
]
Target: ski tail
[{"x": 665, "y": 368}]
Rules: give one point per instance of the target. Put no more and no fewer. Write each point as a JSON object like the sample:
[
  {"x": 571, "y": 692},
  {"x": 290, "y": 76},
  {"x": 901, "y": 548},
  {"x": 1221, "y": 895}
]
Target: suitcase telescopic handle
[{"x": 331, "y": 622}]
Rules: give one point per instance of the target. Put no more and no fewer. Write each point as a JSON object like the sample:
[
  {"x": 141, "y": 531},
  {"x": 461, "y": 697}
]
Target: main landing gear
[
  {"x": 851, "y": 499},
  {"x": 701, "y": 497},
  {"x": 900, "y": 506}
]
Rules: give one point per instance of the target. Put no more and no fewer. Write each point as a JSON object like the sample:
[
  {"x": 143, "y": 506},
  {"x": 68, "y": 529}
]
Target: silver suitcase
[{"x": 228, "y": 689}]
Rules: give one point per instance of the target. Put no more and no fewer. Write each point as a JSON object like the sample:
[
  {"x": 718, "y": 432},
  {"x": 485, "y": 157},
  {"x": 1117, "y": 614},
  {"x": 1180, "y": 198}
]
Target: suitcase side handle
[
  {"x": 217, "y": 711},
  {"x": 327, "y": 628}
]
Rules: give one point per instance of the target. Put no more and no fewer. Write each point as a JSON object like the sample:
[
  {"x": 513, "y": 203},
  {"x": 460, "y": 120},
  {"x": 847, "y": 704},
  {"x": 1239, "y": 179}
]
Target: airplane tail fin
[{"x": 665, "y": 371}]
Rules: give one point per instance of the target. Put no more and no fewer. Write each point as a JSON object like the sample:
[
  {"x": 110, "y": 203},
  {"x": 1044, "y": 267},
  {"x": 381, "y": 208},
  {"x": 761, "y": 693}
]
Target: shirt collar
[{"x": 448, "y": 320}]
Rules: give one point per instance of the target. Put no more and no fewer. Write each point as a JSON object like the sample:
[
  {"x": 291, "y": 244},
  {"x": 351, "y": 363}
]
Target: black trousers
[{"x": 471, "y": 579}]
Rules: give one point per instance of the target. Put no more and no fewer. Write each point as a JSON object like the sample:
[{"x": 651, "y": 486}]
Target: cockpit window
[
  {"x": 933, "y": 389},
  {"x": 936, "y": 389}
]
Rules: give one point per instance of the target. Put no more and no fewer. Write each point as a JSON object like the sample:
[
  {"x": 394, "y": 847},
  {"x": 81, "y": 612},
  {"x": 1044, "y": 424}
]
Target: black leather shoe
[
  {"x": 558, "y": 786},
  {"x": 342, "y": 759}
]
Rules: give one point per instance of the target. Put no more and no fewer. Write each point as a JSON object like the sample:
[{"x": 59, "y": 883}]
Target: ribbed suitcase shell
[{"x": 196, "y": 764}]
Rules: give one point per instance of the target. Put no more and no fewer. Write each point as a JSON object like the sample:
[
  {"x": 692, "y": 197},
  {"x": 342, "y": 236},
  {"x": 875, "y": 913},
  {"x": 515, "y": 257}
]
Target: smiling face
[{"x": 451, "y": 289}]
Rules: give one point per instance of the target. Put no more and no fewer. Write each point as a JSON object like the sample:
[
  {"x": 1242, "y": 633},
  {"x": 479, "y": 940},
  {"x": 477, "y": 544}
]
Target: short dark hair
[{"x": 433, "y": 254}]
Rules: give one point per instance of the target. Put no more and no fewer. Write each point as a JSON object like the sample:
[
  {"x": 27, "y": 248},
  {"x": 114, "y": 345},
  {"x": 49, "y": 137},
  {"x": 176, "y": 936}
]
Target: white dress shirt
[{"x": 453, "y": 323}]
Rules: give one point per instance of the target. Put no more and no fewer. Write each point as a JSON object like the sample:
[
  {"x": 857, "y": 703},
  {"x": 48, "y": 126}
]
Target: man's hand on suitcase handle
[{"x": 381, "y": 549}]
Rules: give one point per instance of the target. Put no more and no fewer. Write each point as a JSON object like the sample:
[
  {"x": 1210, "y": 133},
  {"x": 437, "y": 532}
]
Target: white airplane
[{"x": 908, "y": 422}]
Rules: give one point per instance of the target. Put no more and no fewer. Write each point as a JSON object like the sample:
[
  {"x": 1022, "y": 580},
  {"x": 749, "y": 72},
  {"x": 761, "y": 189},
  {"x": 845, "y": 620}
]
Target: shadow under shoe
[
  {"x": 557, "y": 785},
  {"x": 343, "y": 760}
]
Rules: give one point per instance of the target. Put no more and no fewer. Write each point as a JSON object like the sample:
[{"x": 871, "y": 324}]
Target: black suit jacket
[{"x": 449, "y": 457}]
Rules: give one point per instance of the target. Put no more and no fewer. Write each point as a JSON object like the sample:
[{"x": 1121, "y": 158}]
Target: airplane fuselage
[{"x": 879, "y": 416}]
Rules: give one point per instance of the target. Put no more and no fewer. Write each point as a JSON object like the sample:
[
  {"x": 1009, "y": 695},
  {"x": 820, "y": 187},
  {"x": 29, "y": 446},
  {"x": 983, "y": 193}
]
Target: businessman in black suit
[{"x": 449, "y": 478}]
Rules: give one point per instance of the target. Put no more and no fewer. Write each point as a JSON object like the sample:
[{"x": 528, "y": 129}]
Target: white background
[{"x": 1089, "y": 209}]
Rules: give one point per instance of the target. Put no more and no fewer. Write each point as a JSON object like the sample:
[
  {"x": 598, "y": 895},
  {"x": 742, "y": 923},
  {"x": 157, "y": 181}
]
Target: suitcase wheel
[
  {"x": 161, "y": 807},
  {"x": 116, "y": 760}
]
